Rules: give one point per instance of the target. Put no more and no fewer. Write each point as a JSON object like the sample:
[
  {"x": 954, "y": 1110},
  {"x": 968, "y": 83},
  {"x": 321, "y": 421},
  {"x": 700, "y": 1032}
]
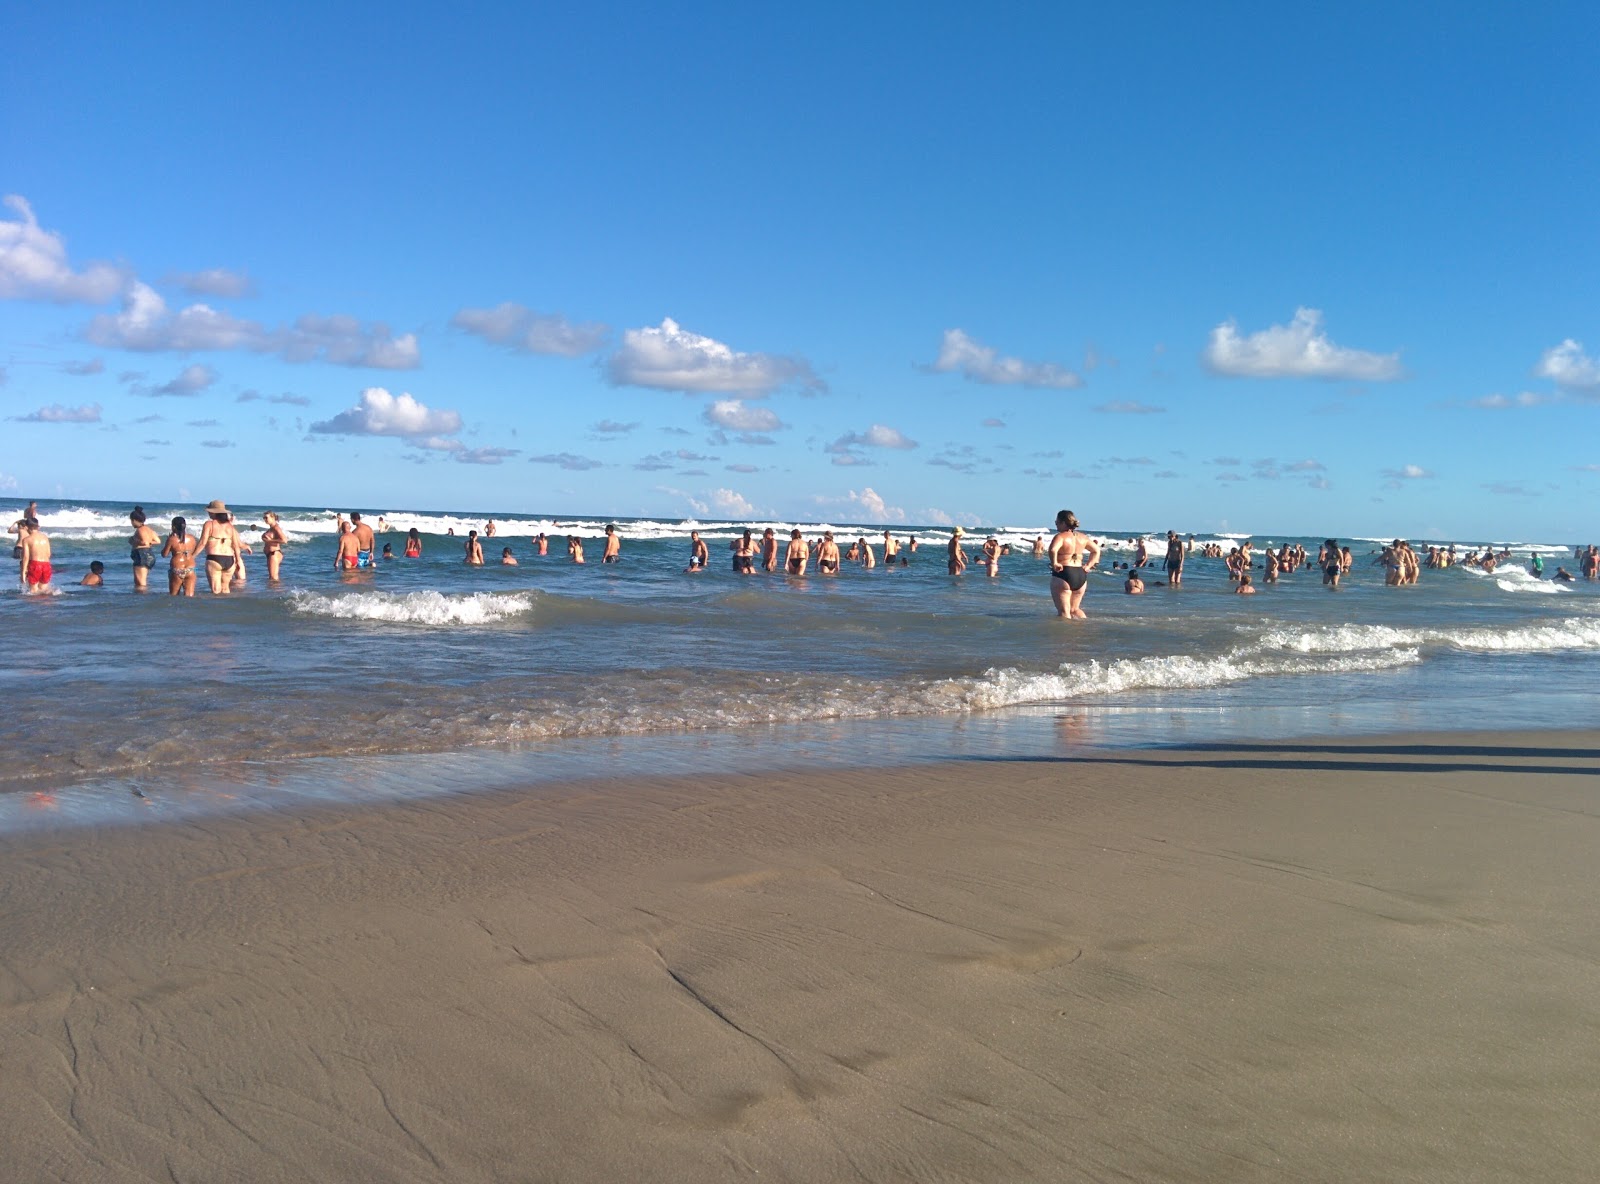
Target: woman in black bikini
[
  {"x": 1073, "y": 555},
  {"x": 272, "y": 540},
  {"x": 219, "y": 543}
]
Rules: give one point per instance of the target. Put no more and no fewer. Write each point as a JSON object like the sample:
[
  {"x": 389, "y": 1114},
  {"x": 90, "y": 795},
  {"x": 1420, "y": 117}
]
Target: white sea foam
[{"x": 415, "y": 608}]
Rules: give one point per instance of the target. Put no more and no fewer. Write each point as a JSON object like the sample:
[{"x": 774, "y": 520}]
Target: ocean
[{"x": 427, "y": 676}]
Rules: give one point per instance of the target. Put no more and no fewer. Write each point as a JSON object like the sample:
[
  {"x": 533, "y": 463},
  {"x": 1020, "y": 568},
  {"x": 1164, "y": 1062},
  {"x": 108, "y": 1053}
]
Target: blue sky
[{"x": 1237, "y": 266}]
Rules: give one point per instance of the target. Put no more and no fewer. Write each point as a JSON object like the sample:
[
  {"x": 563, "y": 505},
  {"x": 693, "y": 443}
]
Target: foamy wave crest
[
  {"x": 1514, "y": 579},
  {"x": 1568, "y": 633},
  {"x": 415, "y": 608}
]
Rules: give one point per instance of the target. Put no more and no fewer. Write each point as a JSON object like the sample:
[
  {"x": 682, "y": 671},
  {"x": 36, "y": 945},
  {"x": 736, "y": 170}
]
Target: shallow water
[{"x": 429, "y": 656}]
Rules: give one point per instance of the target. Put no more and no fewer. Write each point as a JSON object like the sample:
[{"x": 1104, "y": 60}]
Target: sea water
[{"x": 426, "y": 674}]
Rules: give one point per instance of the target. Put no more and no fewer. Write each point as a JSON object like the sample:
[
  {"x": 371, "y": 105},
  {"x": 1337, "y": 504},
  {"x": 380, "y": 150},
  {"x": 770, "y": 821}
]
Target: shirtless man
[
  {"x": 143, "y": 543},
  {"x": 991, "y": 556},
  {"x": 544, "y": 544},
  {"x": 1175, "y": 556},
  {"x": 799, "y": 551},
  {"x": 1073, "y": 555},
  {"x": 473, "y": 549},
  {"x": 36, "y": 570},
  {"x": 699, "y": 553},
  {"x": 1038, "y": 546},
  {"x": 1141, "y": 553},
  {"x": 345, "y": 556},
  {"x": 769, "y": 550},
  {"x": 1245, "y": 588},
  {"x": 364, "y": 540},
  {"x": 957, "y": 558},
  {"x": 488, "y": 528},
  {"x": 613, "y": 551},
  {"x": 890, "y": 549}
]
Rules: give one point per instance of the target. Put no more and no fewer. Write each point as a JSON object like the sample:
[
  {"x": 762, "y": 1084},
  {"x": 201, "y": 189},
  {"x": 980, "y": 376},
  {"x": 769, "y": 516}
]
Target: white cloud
[
  {"x": 214, "y": 281},
  {"x": 994, "y": 423},
  {"x": 7, "y": 482},
  {"x": 33, "y": 264},
  {"x": 530, "y": 332},
  {"x": 567, "y": 460},
  {"x": 1405, "y": 473},
  {"x": 873, "y": 507},
  {"x": 670, "y": 358},
  {"x": 1499, "y": 402},
  {"x": 731, "y": 503},
  {"x": 381, "y": 414},
  {"x": 83, "y": 369},
  {"x": 191, "y": 380},
  {"x": 877, "y": 436},
  {"x": 1297, "y": 350},
  {"x": 1569, "y": 367},
  {"x": 484, "y": 456},
  {"x": 146, "y": 324},
  {"x": 1129, "y": 407},
  {"x": 738, "y": 416},
  {"x": 56, "y": 413},
  {"x": 610, "y": 427},
  {"x": 982, "y": 363}
]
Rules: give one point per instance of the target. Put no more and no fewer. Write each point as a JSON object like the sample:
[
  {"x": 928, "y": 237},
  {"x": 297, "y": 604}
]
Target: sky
[{"x": 1294, "y": 269}]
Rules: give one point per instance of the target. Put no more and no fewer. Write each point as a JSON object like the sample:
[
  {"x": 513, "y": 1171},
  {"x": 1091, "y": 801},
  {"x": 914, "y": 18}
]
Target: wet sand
[{"x": 1372, "y": 960}]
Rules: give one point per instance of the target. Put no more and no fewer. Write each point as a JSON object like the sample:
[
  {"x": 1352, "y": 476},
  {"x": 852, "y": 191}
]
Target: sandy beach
[{"x": 1356, "y": 960}]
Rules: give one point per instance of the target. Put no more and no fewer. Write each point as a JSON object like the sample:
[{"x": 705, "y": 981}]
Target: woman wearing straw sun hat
[
  {"x": 219, "y": 544},
  {"x": 958, "y": 557}
]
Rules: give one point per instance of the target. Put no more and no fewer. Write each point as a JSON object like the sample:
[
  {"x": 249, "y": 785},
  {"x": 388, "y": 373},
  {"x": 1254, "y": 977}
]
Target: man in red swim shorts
[{"x": 36, "y": 558}]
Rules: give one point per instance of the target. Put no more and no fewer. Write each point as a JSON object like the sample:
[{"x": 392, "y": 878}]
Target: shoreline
[{"x": 1368, "y": 958}]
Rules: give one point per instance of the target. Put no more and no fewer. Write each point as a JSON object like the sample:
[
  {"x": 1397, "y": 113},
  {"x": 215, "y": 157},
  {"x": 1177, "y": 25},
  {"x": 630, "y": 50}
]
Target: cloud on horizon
[
  {"x": 959, "y": 353},
  {"x": 527, "y": 331},
  {"x": 669, "y": 358},
  {"x": 1299, "y": 349}
]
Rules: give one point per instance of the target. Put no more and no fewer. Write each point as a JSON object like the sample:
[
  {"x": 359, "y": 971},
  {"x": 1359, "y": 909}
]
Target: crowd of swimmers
[{"x": 218, "y": 550}]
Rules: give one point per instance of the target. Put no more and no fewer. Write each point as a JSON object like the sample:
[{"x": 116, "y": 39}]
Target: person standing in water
[
  {"x": 1073, "y": 555},
  {"x": 413, "y": 544},
  {"x": 699, "y": 553},
  {"x": 957, "y": 556},
  {"x": 219, "y": 543},
  {"x": 890, "y": 549},
  {"x": 144, "y": 543},
  {"x": 474, "y": 550},
  {"x": 36, "y": 569},
  {"x": 272, "y": 540},
  {"x": 799, "y": 553},
  {"x": 613, "y": 551},
  {"x": 179, "y": 549},
  {"x": 769, "y": 550}
]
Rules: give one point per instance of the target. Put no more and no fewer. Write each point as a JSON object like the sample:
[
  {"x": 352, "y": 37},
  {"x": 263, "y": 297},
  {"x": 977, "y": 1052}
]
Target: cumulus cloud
[
  {"x": 214, "y": 281},
  {"x": 738, "y": 416},
  {"x": 191, "y": 381},
  {"x": 34, "y": 266},
  {"x": 1129, "y": 407},
  {"x": 83, "y": 369},
  {"x": 56, "y": 413},
  {"x": 567, "y": 460},
  {"x": 669, "y": 358},
  {"x": 529, "y": 332},
  {"x": 872, "y": 506},
  {"x": 381, "y": 414},
  {"x": 1569, "y": 367},
  {"x": 994, "y": 423},
  {"x": 146, "y": 324},
  {"x": 1299, "y": 349},
  {"x": 977, "y": 362},
  {"x": 610, "y": 427},
  {"x": 734, "y": 504}
]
